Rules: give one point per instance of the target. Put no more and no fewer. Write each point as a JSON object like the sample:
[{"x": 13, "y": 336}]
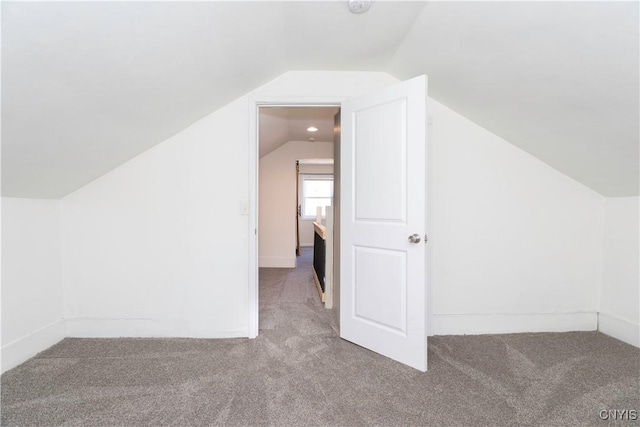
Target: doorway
[
  {"x": 295, "y": 161},
  {"x": 383, "y": 160}
]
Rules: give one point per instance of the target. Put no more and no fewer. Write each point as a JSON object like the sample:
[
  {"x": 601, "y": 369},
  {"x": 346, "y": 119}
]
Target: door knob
[{"x": 414, "y": 238}]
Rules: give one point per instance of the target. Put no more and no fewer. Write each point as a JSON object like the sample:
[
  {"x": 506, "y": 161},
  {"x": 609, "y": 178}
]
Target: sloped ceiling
[
  {"x": 88, "y": 85},
  {"x": 279, "y": 125},
  {"x": 557, "y": 79}
]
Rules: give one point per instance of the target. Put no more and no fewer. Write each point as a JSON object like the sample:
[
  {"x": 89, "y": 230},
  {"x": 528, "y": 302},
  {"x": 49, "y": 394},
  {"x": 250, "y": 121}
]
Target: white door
[{"x": 383, "y": 286}]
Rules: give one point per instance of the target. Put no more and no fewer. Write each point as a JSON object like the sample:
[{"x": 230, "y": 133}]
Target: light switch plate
[{"x": 244, "y": 207}]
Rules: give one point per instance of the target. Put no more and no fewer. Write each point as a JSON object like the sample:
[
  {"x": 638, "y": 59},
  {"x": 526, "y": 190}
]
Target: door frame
[{"x": 255, "y": 103}]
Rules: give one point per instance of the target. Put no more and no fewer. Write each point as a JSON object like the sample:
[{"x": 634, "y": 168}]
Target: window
[{"x": 317, "y": 190}]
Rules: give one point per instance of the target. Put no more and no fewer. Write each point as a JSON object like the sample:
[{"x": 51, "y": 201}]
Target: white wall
[
  {"x": 159, "y": 246},
  {"x": 515, "y": 244},
  {"x": 619, "y": 298},
  {"x": 31, "y": 278},
  {"x": 277, "y": 198}
]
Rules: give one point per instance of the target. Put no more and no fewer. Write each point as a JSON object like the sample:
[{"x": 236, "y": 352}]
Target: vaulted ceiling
[
  {"x": 279, "y": 125},
  {"x": 88, "y": 85}
]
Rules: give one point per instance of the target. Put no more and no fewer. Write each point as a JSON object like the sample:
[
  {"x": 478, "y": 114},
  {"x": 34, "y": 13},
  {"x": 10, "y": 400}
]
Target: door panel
[
  {"x": 383, "y": 287},
  {"x": 380, "y": 287},
  {"x": 381, "y": 135}
]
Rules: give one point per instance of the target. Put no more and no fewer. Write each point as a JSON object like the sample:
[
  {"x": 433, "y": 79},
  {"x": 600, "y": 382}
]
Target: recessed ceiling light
[
  {"x": 311, "y": 139},
  {"x": 312, "y": 129}
]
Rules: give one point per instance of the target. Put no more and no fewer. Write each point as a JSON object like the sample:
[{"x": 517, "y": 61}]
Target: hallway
[{"x": 290, "y": 304}]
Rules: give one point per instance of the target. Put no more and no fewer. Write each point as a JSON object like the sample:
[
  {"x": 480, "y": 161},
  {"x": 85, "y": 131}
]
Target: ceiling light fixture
[
  {"x": 359, "y": 6},
  {"x": 312, "y": 129},
  {"x": 311, "y": 139}
]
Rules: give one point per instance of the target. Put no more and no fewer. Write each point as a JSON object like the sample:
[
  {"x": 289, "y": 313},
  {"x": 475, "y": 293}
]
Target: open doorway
[
  {"x": 296, "y": 181},
  {"x": 382, "y": 186}
]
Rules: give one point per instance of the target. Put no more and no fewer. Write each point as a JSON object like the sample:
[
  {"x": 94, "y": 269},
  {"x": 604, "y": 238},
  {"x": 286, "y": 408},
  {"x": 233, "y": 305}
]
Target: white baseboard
[
  {"x": 23, "y": 349},
  {"x": 277, "y": 262},
  {"x": 478, "y": 324},
  {"x": 619, "y": 328},
  {"x": 306, "y": 245},
  {"x": 146, "y": 328}
]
